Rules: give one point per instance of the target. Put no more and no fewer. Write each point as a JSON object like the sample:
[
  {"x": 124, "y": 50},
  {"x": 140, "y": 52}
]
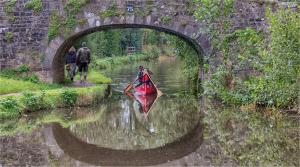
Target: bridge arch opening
[{"x": 58, "y": 60}]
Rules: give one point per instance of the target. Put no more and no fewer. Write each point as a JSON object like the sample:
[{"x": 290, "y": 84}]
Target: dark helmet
[
  {"x": 141, "y": 67},
  {"x": 83, "y": 44}
]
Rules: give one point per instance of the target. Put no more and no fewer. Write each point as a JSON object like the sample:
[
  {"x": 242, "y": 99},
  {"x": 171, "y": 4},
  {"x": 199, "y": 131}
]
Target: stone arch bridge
[{"x": 40, "y": 36}]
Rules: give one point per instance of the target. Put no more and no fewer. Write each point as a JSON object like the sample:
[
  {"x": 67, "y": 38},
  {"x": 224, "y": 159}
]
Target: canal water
[{"x": 175, "y": 129}]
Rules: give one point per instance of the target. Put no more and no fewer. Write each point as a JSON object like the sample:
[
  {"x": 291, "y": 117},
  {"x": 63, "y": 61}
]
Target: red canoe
[{"x": 146, "y": 88}]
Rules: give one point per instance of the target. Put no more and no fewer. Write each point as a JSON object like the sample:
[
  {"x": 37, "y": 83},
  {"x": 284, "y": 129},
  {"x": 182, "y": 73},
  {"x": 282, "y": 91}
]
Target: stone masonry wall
[
  {"x": 23, "y": 32},
  {"x": 29, "y": 31}
]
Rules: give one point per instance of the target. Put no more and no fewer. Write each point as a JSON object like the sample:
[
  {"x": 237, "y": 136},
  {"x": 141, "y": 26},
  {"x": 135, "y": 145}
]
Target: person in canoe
[
  {"x": 143, "y": 84},
  {"x": 143, "y": 76}
]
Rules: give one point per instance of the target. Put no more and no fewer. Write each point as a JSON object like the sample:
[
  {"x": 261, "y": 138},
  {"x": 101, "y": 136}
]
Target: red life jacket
[{"x": 145, "y": 77}]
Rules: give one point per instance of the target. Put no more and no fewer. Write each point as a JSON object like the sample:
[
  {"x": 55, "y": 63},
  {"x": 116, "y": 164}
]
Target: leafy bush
[
  {"x": 32, "y": 78},
  {"x": 69, "y": 97},
  {"x": 274, "y": 63},
  {"x": 15, "y": 72},
  {"x": 23, "y": 68},
  {"x": 9, "y": 105},
  {"x": 33, "y": 101}
]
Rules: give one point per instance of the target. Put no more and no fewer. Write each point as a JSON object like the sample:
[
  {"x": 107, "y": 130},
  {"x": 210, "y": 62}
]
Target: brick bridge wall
[{"x": 24, "y": 32}]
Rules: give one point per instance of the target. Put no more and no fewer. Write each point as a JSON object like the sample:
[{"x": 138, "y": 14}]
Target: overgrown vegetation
[
  {"x": 9, "y": 108},
  {"x": 165, "y": 19},
  {"x": 255, "y": 68},
  {"x": 33, "y": 101},
  {"x": 35, "y": 5},
  {"x": 68, "y": 97},
  {"x": 110, "y": 11},
  {"x": 65, "y": 24}
]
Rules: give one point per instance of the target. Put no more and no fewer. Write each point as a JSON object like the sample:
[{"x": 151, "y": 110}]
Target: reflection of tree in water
[{"x": 123, "y": 127}]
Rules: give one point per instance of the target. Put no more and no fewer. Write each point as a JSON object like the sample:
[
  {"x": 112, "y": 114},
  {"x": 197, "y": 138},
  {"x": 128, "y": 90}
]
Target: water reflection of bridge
[{"x": 92, "y": 154}]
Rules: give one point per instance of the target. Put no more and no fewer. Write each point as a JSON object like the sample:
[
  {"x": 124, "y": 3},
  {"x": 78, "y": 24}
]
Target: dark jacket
[
  {"x": 71, "y": 57},
  {"x": 83, "y": 55}
]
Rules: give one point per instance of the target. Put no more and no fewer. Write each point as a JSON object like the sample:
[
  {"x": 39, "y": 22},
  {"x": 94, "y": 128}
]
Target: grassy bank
[
  {"x": 111, "y": 61},
  {"x": 15, "y": 105},
  {"x": 9, "y": 85}
]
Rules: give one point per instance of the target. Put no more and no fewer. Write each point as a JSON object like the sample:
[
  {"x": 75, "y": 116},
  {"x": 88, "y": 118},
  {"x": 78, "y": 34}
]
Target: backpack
[{"x": 84, "y": 55}]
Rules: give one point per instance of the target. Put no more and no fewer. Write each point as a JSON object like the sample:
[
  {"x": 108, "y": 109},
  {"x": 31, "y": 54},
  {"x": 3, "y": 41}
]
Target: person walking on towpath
[
  {"x": 71, "y": 62},
  {"x": 83, "y": 59}
]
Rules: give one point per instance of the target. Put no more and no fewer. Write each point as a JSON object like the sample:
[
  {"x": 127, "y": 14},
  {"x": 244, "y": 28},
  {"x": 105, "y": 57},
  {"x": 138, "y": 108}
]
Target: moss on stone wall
[
  {"x": 9, "y": 36},
  {"x": 110, "y": 11},
  {"x": 9, "y": 5},
  {"x": 66, "y": 23},
  {"x": 35, "y": 5},
  {"x": 165, "y": 19},
  {"x": 54, "y": 26}
]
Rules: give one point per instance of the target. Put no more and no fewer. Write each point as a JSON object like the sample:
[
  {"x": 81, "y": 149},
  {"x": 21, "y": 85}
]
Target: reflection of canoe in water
[
  {"x": 145, "y": 102},
  {"x": 147, "y": 88}
]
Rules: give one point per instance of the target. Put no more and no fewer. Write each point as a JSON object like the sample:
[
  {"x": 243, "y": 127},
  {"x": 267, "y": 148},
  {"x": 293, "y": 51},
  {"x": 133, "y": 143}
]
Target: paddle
[{"x": 129, "y": 87}]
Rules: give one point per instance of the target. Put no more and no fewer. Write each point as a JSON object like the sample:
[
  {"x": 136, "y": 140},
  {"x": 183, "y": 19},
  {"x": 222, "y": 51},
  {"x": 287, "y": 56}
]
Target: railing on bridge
[{"x": 130, "y": 50}]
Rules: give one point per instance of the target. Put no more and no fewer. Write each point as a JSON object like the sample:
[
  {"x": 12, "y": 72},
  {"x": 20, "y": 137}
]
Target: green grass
[
  {"x": 15, "y": 86},
  {"x": 96, "y": 78}
]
